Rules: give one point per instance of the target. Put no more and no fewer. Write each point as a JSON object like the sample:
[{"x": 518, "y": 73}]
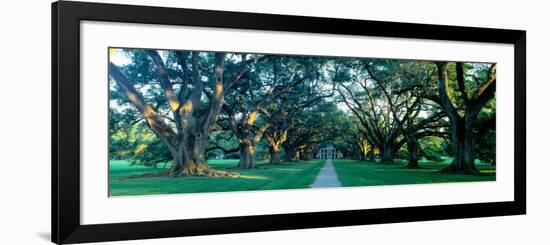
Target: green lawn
[
  {"x": 286, "y": 176},
  {"x": 357, "y": 173},
  {"x": 297, "y": 175}
]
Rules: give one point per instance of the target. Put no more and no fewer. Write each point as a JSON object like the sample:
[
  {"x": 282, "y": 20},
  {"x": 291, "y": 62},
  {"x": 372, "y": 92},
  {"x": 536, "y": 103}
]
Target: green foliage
[
  {"x": 336, "y": 128},
  {"x": 137, "y": 144},
  {"x": 474, "y": 75},
  {"x": 486, "y": 147},
  {"x": 402, "y": 153},
  {"x": 485, "y": 142},
  {"x": 150, "y": 152},
  {"x": 225, "y": 140},
  {"x": 433, "y": 148}
]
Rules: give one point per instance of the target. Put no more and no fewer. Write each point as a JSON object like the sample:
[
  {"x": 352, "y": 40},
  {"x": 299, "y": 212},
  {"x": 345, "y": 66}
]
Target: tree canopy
[{"x": 184, "y": 107}]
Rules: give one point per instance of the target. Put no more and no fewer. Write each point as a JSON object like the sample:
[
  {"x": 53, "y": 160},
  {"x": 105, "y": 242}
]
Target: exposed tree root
[
  {"x": 205, "y": 172},
  {"x": 247, "y": 168},
  {"x": 186, "y": 172}
]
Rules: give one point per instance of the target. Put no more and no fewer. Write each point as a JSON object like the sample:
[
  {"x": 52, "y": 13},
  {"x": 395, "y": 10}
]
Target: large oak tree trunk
[
  {"x": 186, "y": 166},
  {"x": 412, "y": 148},
  {"x": 276, "y": 140},
  {"x": 188, "y": 144},
  {"x": 462, "y": 126},
  {"x": 275, "y": 157},
  {"x": 189, "y": 159},
  {"x": 248, "y": 139},
  {"x": 247, "y": 156},
  {"x": 185, "y": 163},
  {"x": 387, "y": 154},
  {"x": 463, "y": 145}
]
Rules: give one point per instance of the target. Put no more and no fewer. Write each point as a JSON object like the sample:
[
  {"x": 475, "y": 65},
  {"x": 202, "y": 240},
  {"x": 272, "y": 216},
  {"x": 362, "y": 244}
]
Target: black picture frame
[{"x": 66, "y": 18}]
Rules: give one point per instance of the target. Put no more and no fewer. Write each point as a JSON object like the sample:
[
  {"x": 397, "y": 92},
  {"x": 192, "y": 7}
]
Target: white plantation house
[{"x": 329, "y": 152}]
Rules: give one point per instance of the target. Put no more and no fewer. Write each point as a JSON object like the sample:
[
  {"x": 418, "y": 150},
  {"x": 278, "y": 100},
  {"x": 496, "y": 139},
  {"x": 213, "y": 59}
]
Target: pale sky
[{"x": 118, "y": 57}]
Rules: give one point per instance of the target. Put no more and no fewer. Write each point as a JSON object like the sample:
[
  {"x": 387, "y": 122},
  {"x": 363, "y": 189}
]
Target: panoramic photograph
[{"x": 187, "y": 121}]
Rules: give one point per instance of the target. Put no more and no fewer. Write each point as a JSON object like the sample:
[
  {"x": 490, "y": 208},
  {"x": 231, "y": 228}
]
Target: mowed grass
[
  {"x": 358, "y": 173},
  {"x": 267, "y": 177}
]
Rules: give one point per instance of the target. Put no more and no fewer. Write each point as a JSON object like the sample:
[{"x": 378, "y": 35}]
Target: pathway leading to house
[{"x": 327, "y": 177}]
